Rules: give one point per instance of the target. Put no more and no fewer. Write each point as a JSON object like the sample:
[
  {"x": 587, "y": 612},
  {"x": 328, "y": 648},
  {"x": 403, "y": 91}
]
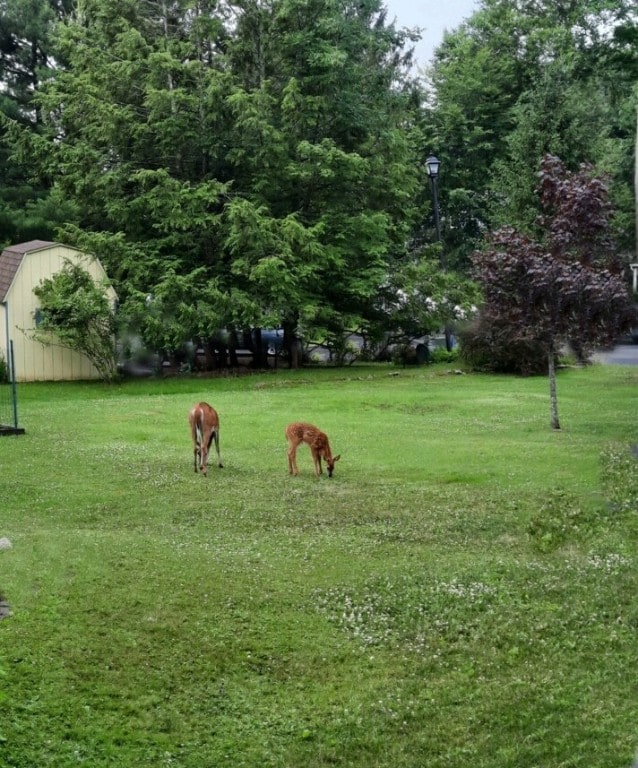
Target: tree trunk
[
  {"x": 170, "y": 84},
  {"x": 636, "y": 182},
  {"x": 291, "y": 343},
  {"x": 553, "y": 400},
  {"x": 233, "y": 343},
  {"x": 259, "y": 359},
  {"x": 210, "y": 356}
]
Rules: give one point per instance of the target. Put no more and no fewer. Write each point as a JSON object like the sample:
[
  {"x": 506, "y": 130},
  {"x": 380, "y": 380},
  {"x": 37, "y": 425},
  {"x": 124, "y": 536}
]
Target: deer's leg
[
  {"x": 219, "y": 458},
  {"x": 316, "y": 460},
  {"x": 198, "y": 442},
  {"x": 292, "y": 459},
  {"x": 195, "y": 436},
  {"x": 213, "y": 436}
]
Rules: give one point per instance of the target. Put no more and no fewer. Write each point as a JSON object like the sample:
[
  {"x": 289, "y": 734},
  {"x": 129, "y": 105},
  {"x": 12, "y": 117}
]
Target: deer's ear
[{"x": 336, "y": 458}]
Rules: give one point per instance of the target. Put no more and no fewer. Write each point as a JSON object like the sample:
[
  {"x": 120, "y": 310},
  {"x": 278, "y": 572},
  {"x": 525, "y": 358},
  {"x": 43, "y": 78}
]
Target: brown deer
[
  {"x": 301, "y": 432},
  {"x": 204, "y": 423}
]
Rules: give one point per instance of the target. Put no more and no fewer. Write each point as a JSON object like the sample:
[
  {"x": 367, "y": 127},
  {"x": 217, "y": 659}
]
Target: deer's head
[{"x": 330, "y": 464}]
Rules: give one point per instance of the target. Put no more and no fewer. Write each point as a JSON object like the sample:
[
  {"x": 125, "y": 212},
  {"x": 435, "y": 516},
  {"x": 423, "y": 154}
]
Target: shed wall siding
[
  {"x": 4, "y": 352},
  {"x": 35, "y": 361}
]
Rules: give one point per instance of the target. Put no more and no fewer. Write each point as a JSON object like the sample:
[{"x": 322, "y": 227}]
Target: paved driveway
[{"x": 623, "y": 354}]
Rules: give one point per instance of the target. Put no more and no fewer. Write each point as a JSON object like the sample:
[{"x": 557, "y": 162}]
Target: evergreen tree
[
  {"x": 520, "y": 79},
  {"x": 324, "y": 161},
  {"x": 28, "y": 210},
  {"x": 270, "y": 159}
]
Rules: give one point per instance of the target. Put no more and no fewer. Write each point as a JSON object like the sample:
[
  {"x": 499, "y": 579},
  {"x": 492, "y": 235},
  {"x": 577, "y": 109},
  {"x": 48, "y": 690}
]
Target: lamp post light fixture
[{"x": 432, "y": 165}]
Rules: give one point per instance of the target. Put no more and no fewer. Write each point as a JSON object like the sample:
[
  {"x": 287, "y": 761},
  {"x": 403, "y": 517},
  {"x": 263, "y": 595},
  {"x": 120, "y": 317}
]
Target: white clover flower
[{"x": 610, "y": 563}]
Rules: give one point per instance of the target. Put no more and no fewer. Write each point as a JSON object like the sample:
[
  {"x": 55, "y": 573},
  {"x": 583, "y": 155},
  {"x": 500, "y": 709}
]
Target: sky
[{"x": 433, "y": 16}]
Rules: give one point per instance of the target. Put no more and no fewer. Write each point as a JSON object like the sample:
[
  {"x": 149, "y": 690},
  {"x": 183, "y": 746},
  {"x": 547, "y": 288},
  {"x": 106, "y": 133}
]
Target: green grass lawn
[{"x": 462, "y": 592}]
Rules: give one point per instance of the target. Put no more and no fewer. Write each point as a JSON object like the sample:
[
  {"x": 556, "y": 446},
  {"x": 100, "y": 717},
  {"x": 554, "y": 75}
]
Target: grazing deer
[
  {"x": 204, "y": 423},
  {"x": 300, "y": 432}
]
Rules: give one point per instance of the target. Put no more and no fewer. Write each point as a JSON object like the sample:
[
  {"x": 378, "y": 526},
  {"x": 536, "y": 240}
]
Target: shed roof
[{"x": 11, "y": 258}]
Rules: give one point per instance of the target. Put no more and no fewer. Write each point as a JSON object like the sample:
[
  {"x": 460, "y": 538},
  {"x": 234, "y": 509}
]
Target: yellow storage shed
[{"x": 22, "y": 268}]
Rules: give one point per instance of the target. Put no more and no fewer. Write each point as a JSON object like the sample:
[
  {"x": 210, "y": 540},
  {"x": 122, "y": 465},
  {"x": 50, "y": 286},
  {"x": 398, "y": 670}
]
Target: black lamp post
[{"x": 432, "y": 165}]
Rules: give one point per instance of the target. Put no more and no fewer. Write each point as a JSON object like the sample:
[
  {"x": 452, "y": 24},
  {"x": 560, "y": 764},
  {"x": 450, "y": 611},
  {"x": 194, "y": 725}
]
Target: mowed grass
[{"x": 462, "y": 592}]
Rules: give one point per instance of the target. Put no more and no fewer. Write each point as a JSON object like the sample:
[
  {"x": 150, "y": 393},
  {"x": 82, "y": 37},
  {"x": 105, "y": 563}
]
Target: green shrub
[
  {"x": 76, "y": 314},
  {"x": 441, "y": 355},
  {"x": 4, "y": 369}
]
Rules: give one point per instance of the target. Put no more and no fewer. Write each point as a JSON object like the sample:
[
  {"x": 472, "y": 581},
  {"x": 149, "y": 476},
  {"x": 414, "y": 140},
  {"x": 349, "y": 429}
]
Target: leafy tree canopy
[{"x": 567, "y": 285}]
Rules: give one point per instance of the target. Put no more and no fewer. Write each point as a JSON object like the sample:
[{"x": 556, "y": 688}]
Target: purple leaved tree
[{"x": 567, "y": 285}]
